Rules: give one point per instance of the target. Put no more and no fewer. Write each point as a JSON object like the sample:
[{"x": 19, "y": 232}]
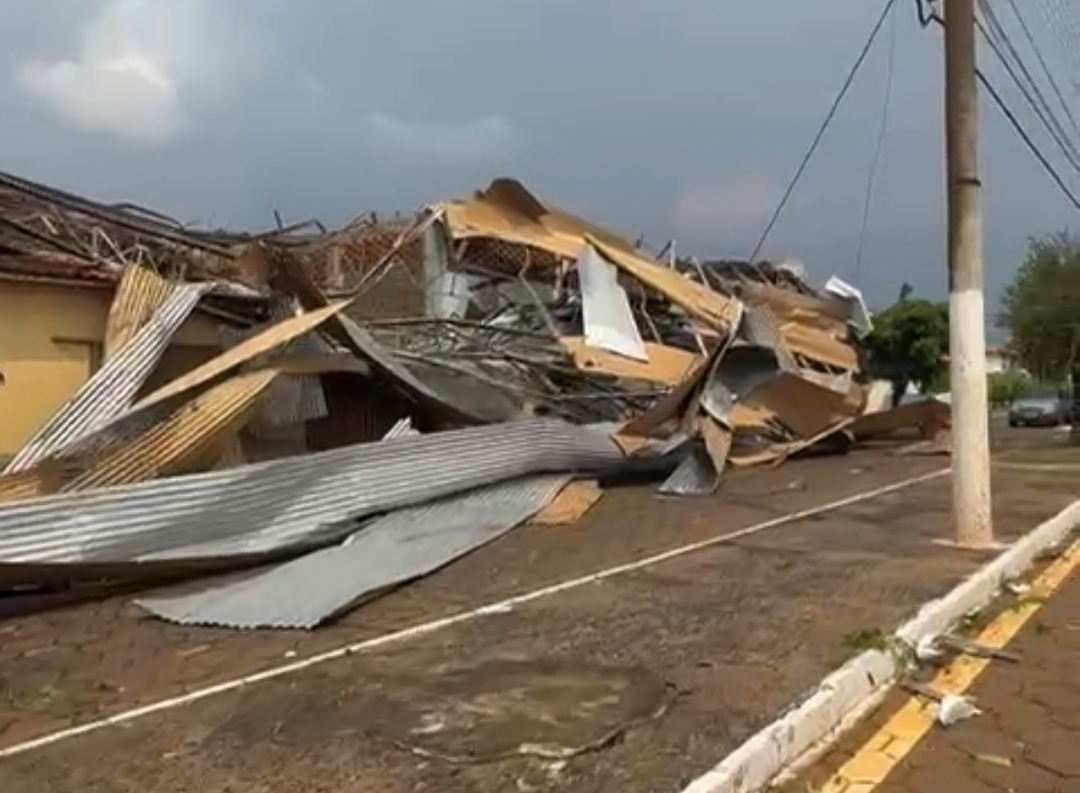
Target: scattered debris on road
[{"x": 389, "y": 396}]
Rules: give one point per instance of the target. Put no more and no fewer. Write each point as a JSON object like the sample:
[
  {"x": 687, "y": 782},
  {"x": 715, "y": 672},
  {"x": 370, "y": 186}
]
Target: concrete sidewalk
[{"x": 1027, "y": 738}]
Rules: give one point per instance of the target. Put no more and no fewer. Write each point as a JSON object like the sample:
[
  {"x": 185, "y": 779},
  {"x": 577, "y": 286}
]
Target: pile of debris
[{"x": 533, "y": 350}]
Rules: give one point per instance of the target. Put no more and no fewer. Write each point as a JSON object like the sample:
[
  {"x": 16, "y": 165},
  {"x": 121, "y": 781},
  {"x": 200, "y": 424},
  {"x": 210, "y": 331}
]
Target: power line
[
  {"x": 1065, "y": 31},
  {"x": 1045, "y": 66},
  {"x": 878, "y": 146},
  {"x": 998, "y": 40},
  {"x": 928, "y": 15},
  {"x": 824, "y": 127},
  {"x": 1024, "y": 136}
]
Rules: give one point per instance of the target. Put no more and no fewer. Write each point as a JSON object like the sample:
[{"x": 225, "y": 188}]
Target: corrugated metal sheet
[
  {"x": 366, "y": 345},
  {"x": 195, "y": 436},
  {"x": 608, "y": 321},
  {"x": 292, "y": 399},
  {"x": 246, "y": 351},
  {"x": 860, "y": 314},
  {"x": 265, "y": 507},
  {"x": 403, "y": 428},
  {"x": 358, "y": 413},
  {"x": 352, "y": 336},
  {"x": 310, "y": 398},
  {"x": 695, "y": 475},
  {"x": 184, "y": 439},
  {"x": 742, "y": 369},
  {"x": 24, "y": 484},
  {"x": 140, "y": 294},
  {"x": 390, "y": 550},
  {"x": 111, "y": 390},
  {"x": 155, "y": 407},
  {"x": 761, "y": 327}
]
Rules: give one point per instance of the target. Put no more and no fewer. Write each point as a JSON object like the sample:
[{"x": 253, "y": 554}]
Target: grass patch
[
  {"x": 866, "y": 639},
  {"x": 38, "y": 699}
]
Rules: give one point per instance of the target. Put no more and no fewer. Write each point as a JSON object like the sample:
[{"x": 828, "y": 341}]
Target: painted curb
[{"x": 858, "y": 685}]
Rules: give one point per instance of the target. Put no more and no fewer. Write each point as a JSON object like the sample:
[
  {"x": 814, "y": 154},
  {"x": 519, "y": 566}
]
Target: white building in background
[{"x": 999, "y": 360}]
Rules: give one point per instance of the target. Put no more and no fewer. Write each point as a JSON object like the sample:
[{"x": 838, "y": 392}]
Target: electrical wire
[
  {"x": 837, "y": 101},
  {"x": 1066, "y": 32},
  {"x": 995, "y": 36},
  {"x": 1027, "y": 139},
  {"x": 1014, "y": 121},
  {"x": 1045, "y": 66},
  {"x": 878, "y": 146}
]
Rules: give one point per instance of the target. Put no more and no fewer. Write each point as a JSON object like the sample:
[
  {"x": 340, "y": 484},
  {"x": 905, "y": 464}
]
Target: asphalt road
[{"x": 643, "y": 679}]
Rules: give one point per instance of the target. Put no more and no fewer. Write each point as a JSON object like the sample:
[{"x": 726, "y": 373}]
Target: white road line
[{"x": 424, "y": 628}]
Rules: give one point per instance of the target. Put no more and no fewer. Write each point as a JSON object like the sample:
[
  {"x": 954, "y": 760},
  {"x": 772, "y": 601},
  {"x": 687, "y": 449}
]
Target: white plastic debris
[
  {"x": 953, "y": 709},
  {"x": 1017, "y": 588},
  {"x": 927, "y": 649}
]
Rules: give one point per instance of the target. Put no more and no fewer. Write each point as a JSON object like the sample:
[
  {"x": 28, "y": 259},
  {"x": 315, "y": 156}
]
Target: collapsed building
[{"x": 400, "y": 390}]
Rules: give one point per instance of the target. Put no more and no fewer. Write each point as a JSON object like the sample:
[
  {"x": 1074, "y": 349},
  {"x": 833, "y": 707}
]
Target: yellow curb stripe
[{"x": 877, "y": 758}]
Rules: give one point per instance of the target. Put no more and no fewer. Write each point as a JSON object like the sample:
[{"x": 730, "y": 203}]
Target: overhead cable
[{"x": 837, "y": 101}]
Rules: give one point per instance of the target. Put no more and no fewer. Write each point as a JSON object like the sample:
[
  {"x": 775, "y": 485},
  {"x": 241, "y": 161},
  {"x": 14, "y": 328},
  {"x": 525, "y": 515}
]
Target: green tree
[
  {"x": 1004, "y": 388},
  {"x": 909, "y": 343},
  {"x": 1041, "y": 309}
]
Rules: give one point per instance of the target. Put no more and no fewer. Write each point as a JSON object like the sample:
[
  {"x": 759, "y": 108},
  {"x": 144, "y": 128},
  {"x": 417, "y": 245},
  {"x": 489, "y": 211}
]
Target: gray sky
[{"x": 678, "y": 118}]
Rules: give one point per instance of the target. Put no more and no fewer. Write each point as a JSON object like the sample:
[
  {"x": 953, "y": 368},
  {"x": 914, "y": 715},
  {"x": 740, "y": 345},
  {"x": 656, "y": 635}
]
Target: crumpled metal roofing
[
  {"x": 140, "y": 293},
  {"x": 391, "y": 550},
  {"x": 283, "y": 504},
  {"x": 150, "y": 411},
  {"x": 195, "y": 437},
  {"x": 695, "y": 475},
  {"x": 762, "y": 329},
  {"x": 606, "y": 314},
  {"x": 111, "y": 390},
  {"x": 291, "y": 399},
  {"x": 355, "y": 338}
]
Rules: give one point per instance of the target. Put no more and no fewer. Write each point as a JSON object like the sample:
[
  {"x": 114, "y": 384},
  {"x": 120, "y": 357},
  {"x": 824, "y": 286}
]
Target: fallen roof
[
  {"x": 55, "y": 268},
  {"x": 255, "y": 510},
  {"x": 397, "y": 547},
  {"x": 506, "y": 210}
]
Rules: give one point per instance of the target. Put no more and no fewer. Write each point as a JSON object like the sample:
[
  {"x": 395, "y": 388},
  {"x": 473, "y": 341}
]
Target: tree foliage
[
  {"x": 1041, "y": 309},
  {"x": 909, "y": 343},
  {"x": 1004, "y": 388}
]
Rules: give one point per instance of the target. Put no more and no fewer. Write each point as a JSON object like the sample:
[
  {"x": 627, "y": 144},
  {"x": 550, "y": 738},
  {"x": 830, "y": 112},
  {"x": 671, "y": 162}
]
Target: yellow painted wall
[{"x": 50, "y": 343}]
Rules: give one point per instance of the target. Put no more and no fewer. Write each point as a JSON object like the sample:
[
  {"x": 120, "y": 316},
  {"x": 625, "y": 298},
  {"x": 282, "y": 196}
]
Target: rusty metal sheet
[
  {"x": 179, "y": 443},
  {"x": 140, "y": 294},
  {"x": 246, "y": 351},
  {"x": 717, "y": 439},
  {"x": 666, "y": 365},
  {"x": 508, "y": 212},
  {"x": 714, "y": 309},
  {"x": 803, "y": 407},
  {"x": 140, "y": 420},
  {"x": 570, "y": 505},
  {"x": 930, "y": 416}
]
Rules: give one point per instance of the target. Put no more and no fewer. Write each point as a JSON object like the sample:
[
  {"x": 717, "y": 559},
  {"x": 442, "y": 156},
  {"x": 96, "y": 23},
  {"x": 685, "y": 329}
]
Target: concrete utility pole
[{"x": 967, "y": 333}]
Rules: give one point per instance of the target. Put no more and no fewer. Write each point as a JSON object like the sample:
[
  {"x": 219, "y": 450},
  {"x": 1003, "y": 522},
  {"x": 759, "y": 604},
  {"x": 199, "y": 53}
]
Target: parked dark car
[{"x": 1047, "y": 411}]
